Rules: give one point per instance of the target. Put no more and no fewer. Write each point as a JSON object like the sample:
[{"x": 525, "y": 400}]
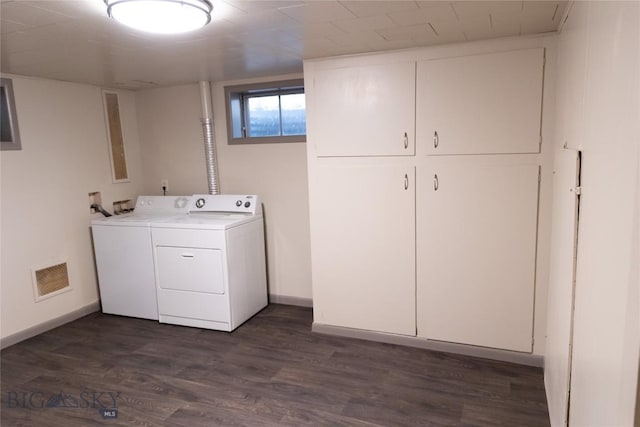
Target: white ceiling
[{"x": 73, "y": 40}]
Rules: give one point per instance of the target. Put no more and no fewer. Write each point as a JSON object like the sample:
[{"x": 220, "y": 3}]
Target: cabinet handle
[
  {"x": 436, "y": 184},
  {"x": 406, "y": 181},
  {"x": 436, "y": 140},
  {"x": 406, "y": 141}
]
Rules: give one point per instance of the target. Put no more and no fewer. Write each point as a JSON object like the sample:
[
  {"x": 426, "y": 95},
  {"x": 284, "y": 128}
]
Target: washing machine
[
  {"x": 124, "y": 256},
  {"x": 210, "y": 264}
]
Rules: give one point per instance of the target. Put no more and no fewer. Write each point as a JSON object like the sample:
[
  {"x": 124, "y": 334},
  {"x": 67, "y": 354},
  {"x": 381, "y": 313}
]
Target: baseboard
[
  {"x": 445, "y": 347},
  {"x": 49, "y": 324},
  {"x": 287, "y": 300}
]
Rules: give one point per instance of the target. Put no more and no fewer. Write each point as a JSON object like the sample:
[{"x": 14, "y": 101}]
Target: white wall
[
  {"x": 173, "y": 148},
  {"x": 599, "y": 113},
  {"x": 171, "y": 140},
  {"x": 45, "y": 186}
]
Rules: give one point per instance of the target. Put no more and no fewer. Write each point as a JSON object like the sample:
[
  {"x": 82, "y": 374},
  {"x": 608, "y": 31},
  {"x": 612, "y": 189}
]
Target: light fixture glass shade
[{"x": 161, "y": 16}]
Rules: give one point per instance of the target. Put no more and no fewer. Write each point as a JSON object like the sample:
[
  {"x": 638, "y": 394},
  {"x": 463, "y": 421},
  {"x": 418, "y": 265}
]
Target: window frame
[
  {"x": 9, "y": 116},
  {"x": 240, "y": 92}
]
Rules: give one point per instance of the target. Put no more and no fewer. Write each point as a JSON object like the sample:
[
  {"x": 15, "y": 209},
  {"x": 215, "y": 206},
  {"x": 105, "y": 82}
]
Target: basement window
[{"x": 270, "y": 112}]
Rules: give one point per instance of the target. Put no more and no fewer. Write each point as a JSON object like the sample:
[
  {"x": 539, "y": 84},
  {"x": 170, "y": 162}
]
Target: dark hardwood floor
[{"x": 272, "y": 371}]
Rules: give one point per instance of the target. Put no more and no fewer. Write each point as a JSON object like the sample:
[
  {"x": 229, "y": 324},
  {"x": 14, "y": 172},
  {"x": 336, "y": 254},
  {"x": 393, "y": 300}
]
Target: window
[
  {"x": 266, "y": 112},
  {"x": 10, "y": 136}
]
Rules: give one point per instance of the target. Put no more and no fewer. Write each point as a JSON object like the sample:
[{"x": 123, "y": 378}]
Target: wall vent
[{"x": 50, "y": 281}]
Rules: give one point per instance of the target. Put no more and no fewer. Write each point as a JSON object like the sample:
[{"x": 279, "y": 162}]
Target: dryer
[
  {"x": 210, "y": 264},
  {"x": 124, "y": 256}
]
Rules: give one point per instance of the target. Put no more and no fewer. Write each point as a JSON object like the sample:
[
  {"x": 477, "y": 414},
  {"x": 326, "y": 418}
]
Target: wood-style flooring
[{"x": 272, "y": 371}]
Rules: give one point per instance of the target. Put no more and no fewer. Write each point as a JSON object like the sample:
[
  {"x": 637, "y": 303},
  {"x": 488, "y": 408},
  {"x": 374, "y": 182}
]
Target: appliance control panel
[
  {"x": 234, "y": 203},
  {"x": 178, "y": 204}
]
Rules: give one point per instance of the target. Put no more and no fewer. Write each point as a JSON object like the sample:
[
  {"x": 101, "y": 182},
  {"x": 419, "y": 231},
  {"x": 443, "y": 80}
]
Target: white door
[
  {"x": 476, "y": 251},
  {"x": 364, "y": 110},
  {"x": 363, "y": 237},
  {"x": 561, "y": 284},
  {"x": 480, "y": 104}
]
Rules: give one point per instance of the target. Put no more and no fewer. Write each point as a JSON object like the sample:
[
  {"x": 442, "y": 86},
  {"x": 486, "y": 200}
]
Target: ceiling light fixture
[{"x": 161, "y": 16}]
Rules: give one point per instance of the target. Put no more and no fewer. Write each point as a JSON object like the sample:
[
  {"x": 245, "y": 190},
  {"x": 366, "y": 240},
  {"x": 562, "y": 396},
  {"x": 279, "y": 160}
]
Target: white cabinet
[
  {"x": 477, "y": 228},
  {"x": 365, "y": 110},
  {"x": 450, "y": 254},
  {"x": 363, "y": 240},
  {"x": 481, "y": 104}
]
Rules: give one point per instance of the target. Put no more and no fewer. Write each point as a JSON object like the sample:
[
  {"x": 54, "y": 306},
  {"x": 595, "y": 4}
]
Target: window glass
[
  {"x": 236, "y": 117},
  {"x": 263, "y": 116},
  {"x": 294, "y": 120},
  {"x": 269, "y": 112}
]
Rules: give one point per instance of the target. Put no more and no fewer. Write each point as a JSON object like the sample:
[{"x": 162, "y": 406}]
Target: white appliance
[
  {"x": 210, "y": 264},
  {"x": 124, "y": 256}
]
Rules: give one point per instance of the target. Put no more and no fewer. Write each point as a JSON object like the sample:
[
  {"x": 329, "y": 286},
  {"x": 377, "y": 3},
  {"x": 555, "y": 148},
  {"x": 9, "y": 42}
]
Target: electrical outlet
[{"x": 165, "y": 184}]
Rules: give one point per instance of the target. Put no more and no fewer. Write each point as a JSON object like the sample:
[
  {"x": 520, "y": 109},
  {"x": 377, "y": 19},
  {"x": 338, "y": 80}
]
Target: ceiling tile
[
  {"x": 24, "y": 13},
  {"x": 7, "y": 27},
  {"x": 448, "y": 32},
  {"x": 376, "y": 8},
  {"x": 319, "y": 29},
  {"x": 469, "y": 10},
  {"x": 358, "y": 40},
  {"x": 420, "y": 34},
  {"x": 441, "y": 13},
  {"x": 503, "y": 27},
  {"x": 261, "y": 19},
  {"x": 356, "y": 25},
  {"x": 77, "y": 9},
  {"x": 254, "y": 5},
  {"x": 316, "y": 47},
  {"x": 319, "y": 11},
  {"x": 541, "y": 16}
]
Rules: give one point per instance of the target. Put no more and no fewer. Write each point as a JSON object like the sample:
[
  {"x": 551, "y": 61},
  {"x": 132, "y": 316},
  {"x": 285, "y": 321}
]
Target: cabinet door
[
  {"x": 363, "y": 258},
  {"x": 477, "y": 227},
  {"x": 363, "y": 111},
  {"x": 480, "y": 104}
]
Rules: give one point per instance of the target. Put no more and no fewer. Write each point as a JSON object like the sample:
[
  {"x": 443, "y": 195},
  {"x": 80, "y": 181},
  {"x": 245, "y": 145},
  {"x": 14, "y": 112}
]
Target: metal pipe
[{"x": 209, "y": 137}]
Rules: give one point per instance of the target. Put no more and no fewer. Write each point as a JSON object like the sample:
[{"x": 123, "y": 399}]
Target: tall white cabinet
[
  {"x": 424, "y": 191},
  {"x": 364, "y": 250},
  {"x": 477, "y": 229}
]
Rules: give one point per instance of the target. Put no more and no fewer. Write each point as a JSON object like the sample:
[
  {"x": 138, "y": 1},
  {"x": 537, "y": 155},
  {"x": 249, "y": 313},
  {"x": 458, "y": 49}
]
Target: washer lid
[
  {"x": 131, "y": 219},
  {"x": 148, "y": 208}
]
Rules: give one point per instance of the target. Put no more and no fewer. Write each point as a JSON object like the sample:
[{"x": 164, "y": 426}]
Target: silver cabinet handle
[
  {"x": 406, "y": 141},
  {"x": 436, "y": 139},
  {"x": 406, "y": 181},
  {"x": 436, "y": 183}
]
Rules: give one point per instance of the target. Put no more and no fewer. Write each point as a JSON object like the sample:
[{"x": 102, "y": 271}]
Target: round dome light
[{"x": 161, "y": 16}]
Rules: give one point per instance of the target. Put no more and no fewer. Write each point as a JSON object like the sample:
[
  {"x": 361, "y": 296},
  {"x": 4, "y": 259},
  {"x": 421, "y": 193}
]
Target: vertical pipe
[{"x": 209, "y": 141}]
